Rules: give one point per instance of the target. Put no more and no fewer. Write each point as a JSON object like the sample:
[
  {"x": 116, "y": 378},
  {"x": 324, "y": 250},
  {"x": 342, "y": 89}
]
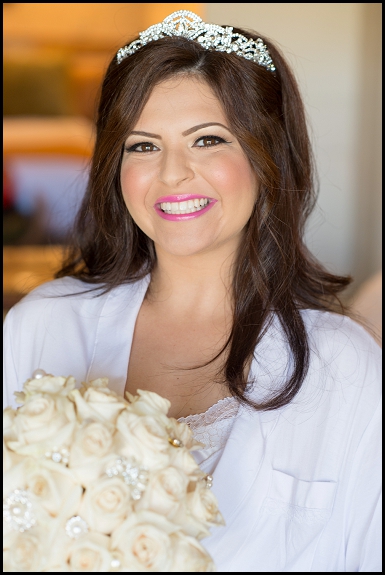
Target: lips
[{"x": 183, "y": 206}]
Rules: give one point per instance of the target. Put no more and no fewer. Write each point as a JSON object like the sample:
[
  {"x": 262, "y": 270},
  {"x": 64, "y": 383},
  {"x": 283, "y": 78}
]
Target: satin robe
[{"x": 299, "y": 487}]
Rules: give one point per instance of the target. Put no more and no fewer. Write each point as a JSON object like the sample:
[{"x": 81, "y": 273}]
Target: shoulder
[
  {"x": 345, "y": 360},
  {"x": 68, "y": 295},
  {"x": 50, "y": 308},
  {"x": 344, "y": 370},
  {"x": 341, "y": 353},
  {"x": 337, "y": 337},
  {"x": 67, "y": 306},
  {"x": 59, "y": 288},
  {"x": 56, "y": 298},
  {"x": 58, "y": 326}
]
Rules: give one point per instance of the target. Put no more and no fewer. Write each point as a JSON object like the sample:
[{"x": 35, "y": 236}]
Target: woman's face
[{"x": 185, "y": 179}]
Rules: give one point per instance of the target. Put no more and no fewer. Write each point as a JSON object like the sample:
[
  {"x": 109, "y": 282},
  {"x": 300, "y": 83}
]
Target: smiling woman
[
  {"x": 256, "y": 165},
  {"x": 188, "y": 276}
]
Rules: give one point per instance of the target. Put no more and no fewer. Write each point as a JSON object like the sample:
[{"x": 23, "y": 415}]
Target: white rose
[
  {"x": 199, "y": 511},
  {"x": 26, "y": 551},
  {"x": 49, "y": 384},
  {"x": 9, "y": 415},
  {"x": 144, "y": 438},
  {"x": 98, "y": 404},
  {"x": 92, "y": 441},
  {"x": 91, "y": 470},
  {"x": 91, "y": 451},
  {"x": 93, "y": 438},
  {"x": 62, "y": 439},
  {"x": 101, "y": 383},
  {"x": 10, "y": 459},
  {"x": 148, "y": 403},
  {"x": 179, "y": 430},
  {"x": 51, "y": 491},
  {"x": 51, "y": 484},
  {"x": 203, "y": 504},
  {"x": 144, "y": 541},
  {"x": 16, "y": 478},
  {"x": 105, "y": 504},
  {"x": 91, "y": 552},
  {"x": 45, "y": 420},
  {"x": 181, "y": 458},
  {"x": 189, "y": 555},
  {"x": 165, "y": 491}
]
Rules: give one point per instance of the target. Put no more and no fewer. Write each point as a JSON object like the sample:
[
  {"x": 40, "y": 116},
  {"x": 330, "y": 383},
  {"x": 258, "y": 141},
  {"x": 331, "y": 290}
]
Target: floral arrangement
[{"x": 94, "y": 482}]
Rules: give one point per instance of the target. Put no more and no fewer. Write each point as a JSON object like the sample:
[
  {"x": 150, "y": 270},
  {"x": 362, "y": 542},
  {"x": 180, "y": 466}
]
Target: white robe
[{"x": 299, "y": 487}]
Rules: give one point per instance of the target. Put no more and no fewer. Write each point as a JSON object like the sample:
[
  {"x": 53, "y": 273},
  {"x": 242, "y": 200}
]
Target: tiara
[{"x": 186, "y": 24}]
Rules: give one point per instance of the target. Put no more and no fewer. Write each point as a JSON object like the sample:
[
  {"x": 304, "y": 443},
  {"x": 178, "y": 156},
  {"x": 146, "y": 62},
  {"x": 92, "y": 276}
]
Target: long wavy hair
[{"x": 274, "y": 272}]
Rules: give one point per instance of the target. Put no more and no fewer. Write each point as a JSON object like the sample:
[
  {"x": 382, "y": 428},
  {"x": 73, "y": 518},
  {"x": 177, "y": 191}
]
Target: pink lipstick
[{"x": 183, "y": 206}]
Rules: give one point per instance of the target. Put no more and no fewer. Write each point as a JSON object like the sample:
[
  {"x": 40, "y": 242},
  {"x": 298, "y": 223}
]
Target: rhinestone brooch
[
  {"x": 186, "y": 24},
  {"x": 17, "y": 510},
  {"x": 136, "y": 477},
  {"x": 75, "y": 527},
  {"x": 58, "y": 455}
]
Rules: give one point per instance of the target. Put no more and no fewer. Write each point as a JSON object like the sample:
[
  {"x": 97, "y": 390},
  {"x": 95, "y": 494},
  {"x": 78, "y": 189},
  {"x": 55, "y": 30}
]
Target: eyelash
[{"x": 134, "y": 147}]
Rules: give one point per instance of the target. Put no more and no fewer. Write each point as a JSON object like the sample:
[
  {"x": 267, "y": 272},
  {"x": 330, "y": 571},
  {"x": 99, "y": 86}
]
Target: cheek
[
  {"x": 135, "y": 182},
  {"x": 234, "y": 179}
]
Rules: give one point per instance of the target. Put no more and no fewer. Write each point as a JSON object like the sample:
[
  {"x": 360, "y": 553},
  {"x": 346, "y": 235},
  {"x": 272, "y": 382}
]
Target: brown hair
[{"x": 274, "y": 272}]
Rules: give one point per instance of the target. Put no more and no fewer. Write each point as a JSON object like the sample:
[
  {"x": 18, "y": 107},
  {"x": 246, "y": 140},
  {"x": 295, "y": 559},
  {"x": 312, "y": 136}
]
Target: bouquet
[{"x": 94, "y": 482}]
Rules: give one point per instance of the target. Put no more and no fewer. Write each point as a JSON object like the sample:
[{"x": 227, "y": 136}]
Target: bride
[{"x": 188, "y": 276}]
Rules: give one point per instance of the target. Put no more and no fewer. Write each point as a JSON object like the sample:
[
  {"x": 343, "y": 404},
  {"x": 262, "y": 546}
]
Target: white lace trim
[{"x": 213, "y": 427}]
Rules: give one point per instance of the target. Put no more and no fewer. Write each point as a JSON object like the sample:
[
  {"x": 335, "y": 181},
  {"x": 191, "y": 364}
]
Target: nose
[{"x": 175, "y": 168}]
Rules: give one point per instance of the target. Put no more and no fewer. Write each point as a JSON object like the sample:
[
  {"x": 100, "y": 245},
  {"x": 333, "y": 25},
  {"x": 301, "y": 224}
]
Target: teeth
[{"x": 186, "y": 207}]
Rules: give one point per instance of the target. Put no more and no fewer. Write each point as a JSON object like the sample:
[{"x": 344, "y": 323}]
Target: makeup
[{"x": 183, "y": 206}]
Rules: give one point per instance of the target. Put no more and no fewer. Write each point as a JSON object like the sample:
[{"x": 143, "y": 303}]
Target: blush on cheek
[
  {"x": 135, "y": 181},
  {"x": 233, "y": 175}
]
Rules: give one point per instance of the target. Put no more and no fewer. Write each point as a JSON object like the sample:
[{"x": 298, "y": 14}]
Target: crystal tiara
[{"x": 186, "y": 24}]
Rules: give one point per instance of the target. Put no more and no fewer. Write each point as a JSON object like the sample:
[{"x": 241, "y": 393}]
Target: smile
[{"x": 183, "y": 207}]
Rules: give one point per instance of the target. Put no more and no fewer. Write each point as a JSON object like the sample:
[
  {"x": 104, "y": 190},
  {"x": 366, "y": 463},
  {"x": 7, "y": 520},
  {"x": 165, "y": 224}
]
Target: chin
[
  {"x": 183, "y": 251},
  {"x": 182, "y": 248}
]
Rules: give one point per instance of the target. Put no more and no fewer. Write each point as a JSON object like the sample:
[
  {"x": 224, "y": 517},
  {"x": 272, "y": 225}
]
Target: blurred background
[{"x": 55, "y": 55}]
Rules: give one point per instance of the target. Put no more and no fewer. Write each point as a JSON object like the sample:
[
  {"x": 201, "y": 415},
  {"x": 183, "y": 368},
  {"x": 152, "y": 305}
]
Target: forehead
[{"x": 181, "y": 98}]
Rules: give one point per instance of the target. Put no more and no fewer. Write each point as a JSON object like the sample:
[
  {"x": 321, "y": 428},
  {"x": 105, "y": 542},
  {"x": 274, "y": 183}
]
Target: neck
[{"x": 199, "y": 284}]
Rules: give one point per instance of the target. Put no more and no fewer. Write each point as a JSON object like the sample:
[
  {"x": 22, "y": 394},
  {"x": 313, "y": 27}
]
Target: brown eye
[
  {"x": 142, "y": 147},
  {"x": 209, "y": 141},
  {"x": 145, "y": 148}
]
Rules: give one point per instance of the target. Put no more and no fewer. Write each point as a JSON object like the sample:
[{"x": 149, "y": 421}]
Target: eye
[
  {"x": 142, "y": 147},
  {"x": 209, "y": 141}
]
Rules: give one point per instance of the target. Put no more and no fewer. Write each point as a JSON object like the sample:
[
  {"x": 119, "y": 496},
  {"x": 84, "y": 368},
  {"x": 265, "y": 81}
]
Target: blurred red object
[{"x": 8, "y": 191}]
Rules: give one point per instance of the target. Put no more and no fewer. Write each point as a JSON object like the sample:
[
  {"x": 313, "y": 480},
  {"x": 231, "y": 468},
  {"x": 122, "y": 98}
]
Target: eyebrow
[{"x": 185, "y": 133}]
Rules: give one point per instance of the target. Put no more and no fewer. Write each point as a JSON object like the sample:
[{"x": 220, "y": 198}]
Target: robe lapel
[
  {"x": 115, "y": 334},
  {"x": 241, "y": 478}
]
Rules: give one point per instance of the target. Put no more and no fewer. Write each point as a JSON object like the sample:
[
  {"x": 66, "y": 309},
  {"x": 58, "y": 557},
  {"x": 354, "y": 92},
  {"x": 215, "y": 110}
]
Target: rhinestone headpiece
[{"x": 188, "y": 25}]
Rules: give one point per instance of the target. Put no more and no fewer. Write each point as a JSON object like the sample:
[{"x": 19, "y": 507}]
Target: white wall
[{"x": 335, "y": 50}]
